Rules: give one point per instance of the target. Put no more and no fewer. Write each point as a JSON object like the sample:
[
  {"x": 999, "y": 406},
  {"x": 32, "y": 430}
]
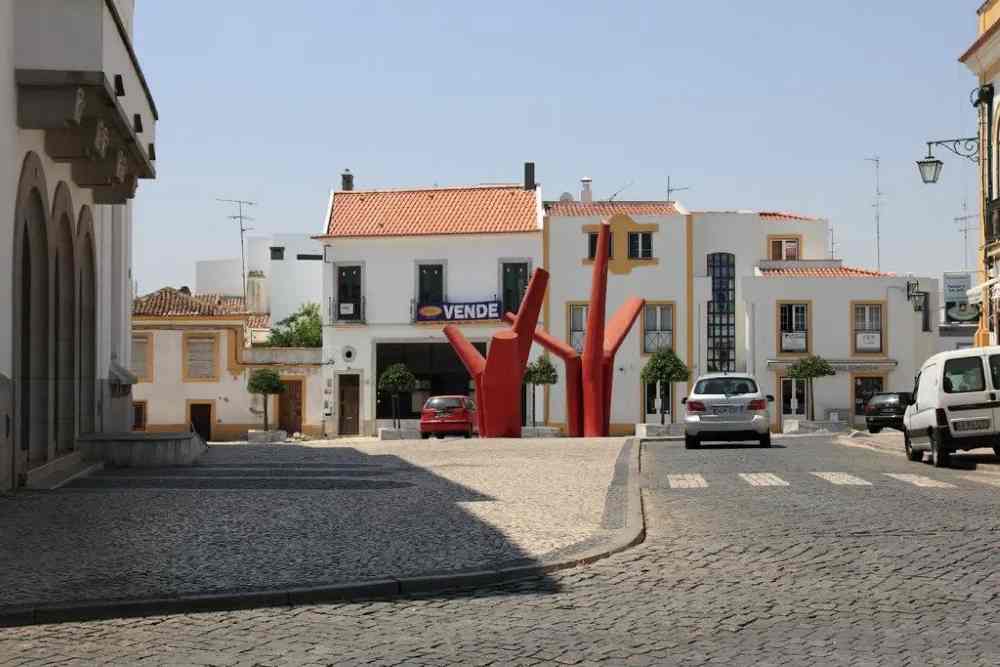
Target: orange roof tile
[
  {"x": 784, "y": 215},
  {"x": 259, "y": 321},
  {"x": 487, "y": 209},
  {"x": 170, "y": 302},
  {"x": 579, "y": 209},
  {"x": 823, "y": 272}
]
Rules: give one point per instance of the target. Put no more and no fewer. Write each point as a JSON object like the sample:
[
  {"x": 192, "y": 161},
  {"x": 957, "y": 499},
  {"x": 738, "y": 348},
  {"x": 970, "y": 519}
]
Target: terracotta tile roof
[
  {"x": 170, "y": 302},
  {"x": 259, "y": 321},
  {"x": 784, "y": 215},
  {"x": 579, "y": 209},
  {"x": 823, "y": 272},
  {"x": 486, "y": 209}
]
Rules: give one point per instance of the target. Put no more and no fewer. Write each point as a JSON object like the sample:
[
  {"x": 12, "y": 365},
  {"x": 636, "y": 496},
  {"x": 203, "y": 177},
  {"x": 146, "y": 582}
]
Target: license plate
[
  {"x": 727, "y": 410},
  {"x": 971, "y": 425}
]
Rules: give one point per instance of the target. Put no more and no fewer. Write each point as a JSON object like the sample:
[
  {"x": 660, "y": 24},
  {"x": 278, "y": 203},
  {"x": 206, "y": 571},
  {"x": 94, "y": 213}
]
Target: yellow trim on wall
[
  {"x": 689, "y": 291},
  {"x": 150, "y": 339},
  {"x": 621, "y": 226},
  {"x": 782, "y": 237},
  {"x": 809, "y": 327},
  {"x": 187, "y": 336},
  {"x": 642, "y": 325},
  {"x": 885, "y": 328}
]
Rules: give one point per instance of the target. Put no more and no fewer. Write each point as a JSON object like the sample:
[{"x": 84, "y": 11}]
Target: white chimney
[{"x": 586, "y": 196}]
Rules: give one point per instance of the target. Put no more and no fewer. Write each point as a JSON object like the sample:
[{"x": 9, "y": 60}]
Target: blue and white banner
[{"x": 459, "y": 312}]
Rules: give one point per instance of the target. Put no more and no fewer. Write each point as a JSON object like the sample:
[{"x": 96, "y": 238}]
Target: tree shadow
[{"x": 245, "y": 518}]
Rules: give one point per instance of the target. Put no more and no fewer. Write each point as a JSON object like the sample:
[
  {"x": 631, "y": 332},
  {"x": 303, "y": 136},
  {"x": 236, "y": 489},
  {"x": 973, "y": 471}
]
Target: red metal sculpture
[
  {"x": 589, "y": 380},
  {"x": 498, "y": 377}
]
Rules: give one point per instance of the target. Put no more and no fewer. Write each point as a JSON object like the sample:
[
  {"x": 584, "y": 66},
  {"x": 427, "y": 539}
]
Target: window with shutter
[
  {"x": 200, "y": 356},
  {"x": 140, "y": 357},
  {"x": 577, "y": 325}
]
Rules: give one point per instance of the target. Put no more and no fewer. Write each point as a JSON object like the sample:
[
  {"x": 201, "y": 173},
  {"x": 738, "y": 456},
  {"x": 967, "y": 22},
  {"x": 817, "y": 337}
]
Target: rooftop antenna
[
  {"x": 965, "y": 229},
  {"x": 833, "y": 244},
  {"x": 242, "y": 219},
  {"x": 621, "y": 190},
  {"x": 671, "y": 190},
  {"x": 878, "y": 209}
]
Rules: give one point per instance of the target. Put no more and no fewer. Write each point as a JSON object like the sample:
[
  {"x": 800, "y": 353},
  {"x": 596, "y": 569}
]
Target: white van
[{"x": 955, "y": 405}]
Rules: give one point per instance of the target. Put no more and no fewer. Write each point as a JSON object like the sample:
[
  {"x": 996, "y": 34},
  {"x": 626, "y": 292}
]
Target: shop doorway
[
  {"x": 290, "y": 407},
  {"x": 200, "y": 418},
  {"x": 794, "y": 399},
  {"x": 348, "y": 387},
  {"x": 438, "y": 370},
  {"x": 865, "y": 386}
]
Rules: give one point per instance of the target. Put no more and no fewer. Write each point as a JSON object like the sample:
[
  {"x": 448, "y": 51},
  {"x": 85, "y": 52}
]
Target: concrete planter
[
  {"x": 658, "y": 430},
  {"x": 398, "y": 433},
  {"x": 137, "y": 450},
  {"x": 540, "y": 432},
  {"x": 266, "y": 436}
]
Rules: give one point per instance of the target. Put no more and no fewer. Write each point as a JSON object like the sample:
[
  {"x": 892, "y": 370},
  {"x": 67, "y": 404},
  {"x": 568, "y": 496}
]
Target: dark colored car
[
  {"x": 886, "y": 410},
  {"x": 448, "y": 415}
]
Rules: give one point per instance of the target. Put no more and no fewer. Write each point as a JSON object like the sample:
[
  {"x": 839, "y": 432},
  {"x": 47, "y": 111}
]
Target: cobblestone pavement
[
  {"x": 280, "y": 516},
  {"x": 807, "y": 553}
]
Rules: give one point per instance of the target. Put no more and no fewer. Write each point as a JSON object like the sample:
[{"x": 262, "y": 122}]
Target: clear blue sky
[{"x": 767, "y": 105}]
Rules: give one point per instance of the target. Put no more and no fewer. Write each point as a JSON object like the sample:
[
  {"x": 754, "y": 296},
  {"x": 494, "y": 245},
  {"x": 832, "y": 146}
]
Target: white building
[
  {"x": 77, "y": 131},
  {"x": 395, "y": 263}
]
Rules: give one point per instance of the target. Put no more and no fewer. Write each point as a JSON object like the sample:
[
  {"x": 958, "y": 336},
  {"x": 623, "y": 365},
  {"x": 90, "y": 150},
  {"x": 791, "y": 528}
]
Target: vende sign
[{"x": 459, "y": 312}]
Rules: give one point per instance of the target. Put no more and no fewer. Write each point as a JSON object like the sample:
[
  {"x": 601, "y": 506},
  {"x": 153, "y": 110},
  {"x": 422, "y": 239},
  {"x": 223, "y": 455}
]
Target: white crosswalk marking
[
  {"x": 762, "y": 479},
  {"x": 842, "y": 478},
  {"x": 686, "y": 481},
  {"x": 920, "y": 480}
]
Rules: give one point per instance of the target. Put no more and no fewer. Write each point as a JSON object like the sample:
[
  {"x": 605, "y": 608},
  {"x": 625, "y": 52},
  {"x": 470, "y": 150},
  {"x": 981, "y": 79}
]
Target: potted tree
[
  {"x": 808, "y": 369},
  {"x": 266, "y": 382},
  {"x": 665, "y": 368},
  {"x": 540, "y": 372},
  {"x": 395, "y": 380}
]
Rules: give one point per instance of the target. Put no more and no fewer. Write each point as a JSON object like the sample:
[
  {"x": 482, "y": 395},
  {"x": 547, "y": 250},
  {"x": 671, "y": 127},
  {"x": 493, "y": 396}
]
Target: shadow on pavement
[
  {"x": 245, "y": 518},
  {"x": 739, "y": 445},
  {"x": 971, "y": 461}
]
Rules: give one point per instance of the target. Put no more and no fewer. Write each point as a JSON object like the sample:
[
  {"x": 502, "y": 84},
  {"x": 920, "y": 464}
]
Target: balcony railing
[{"x": 348, "y": 311}]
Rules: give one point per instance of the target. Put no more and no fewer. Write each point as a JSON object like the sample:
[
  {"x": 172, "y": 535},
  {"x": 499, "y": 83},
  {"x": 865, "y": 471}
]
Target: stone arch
[
  {"x": 87, "y": 322},
  {"x": 31, "y": 317},
  {"x": 62, "y": 239}
]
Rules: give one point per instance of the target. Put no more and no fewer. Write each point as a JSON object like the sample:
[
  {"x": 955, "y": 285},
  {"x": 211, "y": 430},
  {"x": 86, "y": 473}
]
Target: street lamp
[{"x": 930, "y": 166}]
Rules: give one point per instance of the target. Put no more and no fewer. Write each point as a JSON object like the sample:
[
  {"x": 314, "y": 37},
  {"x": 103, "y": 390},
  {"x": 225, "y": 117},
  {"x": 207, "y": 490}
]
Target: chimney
[
  {"x": 586, "y": 196},
  {"x": 529, "y": 176},
  {"x": 347, "y": 180}
]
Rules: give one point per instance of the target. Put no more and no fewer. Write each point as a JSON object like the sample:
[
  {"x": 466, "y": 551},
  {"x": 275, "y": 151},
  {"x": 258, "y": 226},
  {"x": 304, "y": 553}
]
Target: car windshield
[
  {"x": 443, "y": 403},
  {"x": 728, "y": 386}
]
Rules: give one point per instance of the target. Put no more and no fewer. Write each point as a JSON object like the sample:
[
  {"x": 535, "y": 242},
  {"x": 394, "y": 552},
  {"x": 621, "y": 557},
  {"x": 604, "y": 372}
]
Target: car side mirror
[
  {"x": 684, "y": 400},
  {"x": 770, "y": 398}
]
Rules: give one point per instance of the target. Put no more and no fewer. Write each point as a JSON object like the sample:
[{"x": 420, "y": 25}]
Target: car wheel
[
  {"x": 424, "y": 436},
  {"x": 468, "y": 434},
  {"x": 765, "y": 440},
  {"x": 691, "y": 442},
  {"x": 911, "y": 453},
  {"x": 439, "y": 436},
  {"x": 940, "y": 456},
  {"x": 874, "y": 429},
  {"x": 996, "y": 450}
]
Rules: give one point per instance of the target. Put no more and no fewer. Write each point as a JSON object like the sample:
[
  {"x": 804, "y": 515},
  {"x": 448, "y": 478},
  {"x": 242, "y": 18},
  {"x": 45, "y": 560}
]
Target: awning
[{"x": 975, "y": 294}]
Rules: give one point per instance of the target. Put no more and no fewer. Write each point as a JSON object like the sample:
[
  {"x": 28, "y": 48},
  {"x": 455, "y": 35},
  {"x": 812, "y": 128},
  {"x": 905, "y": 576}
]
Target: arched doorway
[
  {"x": 64, "y": 319},
  {"x": 31, "y": 318},
  {"x": 87, "y": 328}
]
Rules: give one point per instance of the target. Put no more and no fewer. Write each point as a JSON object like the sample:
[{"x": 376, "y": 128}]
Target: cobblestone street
[{"x": 806, "y": 553}]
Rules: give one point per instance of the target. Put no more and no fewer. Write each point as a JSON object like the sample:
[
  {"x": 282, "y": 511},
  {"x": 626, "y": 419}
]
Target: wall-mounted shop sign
[
  {"x": 459, "y": 312},
  {"x": 957, "y": 308}
]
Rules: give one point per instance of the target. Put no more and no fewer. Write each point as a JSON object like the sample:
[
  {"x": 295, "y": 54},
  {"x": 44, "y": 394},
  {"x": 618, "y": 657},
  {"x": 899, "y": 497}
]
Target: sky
[{"x": 771, "y": 105}]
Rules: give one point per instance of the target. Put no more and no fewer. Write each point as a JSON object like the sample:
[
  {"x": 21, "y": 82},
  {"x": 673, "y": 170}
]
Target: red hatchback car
[{"x": 448, "y": 415}]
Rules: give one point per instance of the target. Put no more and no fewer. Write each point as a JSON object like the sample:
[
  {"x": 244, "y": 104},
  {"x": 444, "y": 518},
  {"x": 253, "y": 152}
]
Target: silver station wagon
[{"x": 727, "y": 407}]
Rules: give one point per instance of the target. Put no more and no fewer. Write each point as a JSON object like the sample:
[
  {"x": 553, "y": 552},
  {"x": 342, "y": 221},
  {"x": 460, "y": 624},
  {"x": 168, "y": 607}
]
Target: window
[
  {"x": 868, "y": 327},
  {"x": 430, "y": 283},
  {"x": 139, "y": 416},
  {"x": 786, "y": 249},
  {"x": 309, "y": 257},
  {"x": 277, "y": 253},
  {"x": 350, "y": 304},
  {"x": 514, "y": 282},
  {"x": 650, "y": 396},
  {"x": 142, "y": 359},
  {"x": 963, "y": 375},
  {"x": 995, "y": 370},
  {"x": 592, "y": 245},
  {"x": 657, "y": 327},
  {"x": 722, "y": 312},
  {"x": 199, "y": 357},
  {"x": 577, "y": 325},
  {"x": 640, "y": 245},
  {"x": 794, "y": 323}
]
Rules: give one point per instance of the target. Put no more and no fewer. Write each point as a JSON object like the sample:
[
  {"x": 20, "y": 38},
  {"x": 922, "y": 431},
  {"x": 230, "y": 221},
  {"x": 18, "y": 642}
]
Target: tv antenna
[
  {"x": 965, "y": 228},
  {"x": 833, "y": 244},
  {"x": 671, "y": 190},
  {"x": 878, "y": 209},
  {"x": 621, "y": 190},
  {"x": 242, "y": 219}
]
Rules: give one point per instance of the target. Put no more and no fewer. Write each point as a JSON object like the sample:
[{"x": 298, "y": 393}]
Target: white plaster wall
[
  {"x": 832, "y": 331},
  {"x": 10, "y": 169},
  {"x": 568, "y": 247},
  {"x": 218, "y": 276},
  {"x": 258, "y": 253},
  {"x": 389, "y": 284},
  {"x": 293, "y": 282}
]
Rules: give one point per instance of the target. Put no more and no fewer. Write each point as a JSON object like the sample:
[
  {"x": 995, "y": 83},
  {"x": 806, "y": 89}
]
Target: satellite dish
[{"x": 566, "y": 196}]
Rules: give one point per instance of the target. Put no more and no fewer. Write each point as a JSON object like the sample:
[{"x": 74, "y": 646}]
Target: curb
[{"x": 627, "y": 471}]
